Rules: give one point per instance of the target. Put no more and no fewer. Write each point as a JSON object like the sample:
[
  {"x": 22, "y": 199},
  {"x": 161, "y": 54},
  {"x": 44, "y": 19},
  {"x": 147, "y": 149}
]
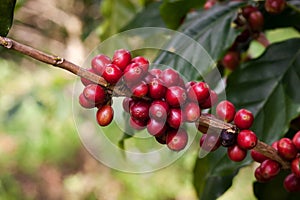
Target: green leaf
[
  {"x": 269, "y": 87},
  {"x": 6, "y": 16},
  {"x": 173, "y": 12}
]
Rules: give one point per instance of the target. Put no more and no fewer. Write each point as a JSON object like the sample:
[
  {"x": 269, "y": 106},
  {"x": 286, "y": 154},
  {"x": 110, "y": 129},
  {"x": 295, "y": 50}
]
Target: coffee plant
[{"x": 259, "y": 122}]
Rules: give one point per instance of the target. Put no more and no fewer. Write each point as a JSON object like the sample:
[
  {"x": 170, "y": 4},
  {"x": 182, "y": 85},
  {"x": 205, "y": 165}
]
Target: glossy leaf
[
  {"x": 269, "y": 87},
  {"x": 6, "y": 15}
]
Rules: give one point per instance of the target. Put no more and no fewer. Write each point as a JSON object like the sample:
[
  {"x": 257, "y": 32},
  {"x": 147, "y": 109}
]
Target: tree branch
[{"x": 62, "y": 63}]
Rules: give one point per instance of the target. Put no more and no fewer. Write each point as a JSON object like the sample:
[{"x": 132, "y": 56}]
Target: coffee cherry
[
  {"x": 246, "y": 11},
  {"x": 295, "y": 166},
  {"x": 210, "y": 142},
  {"x": 258, "y": 157},
  {"x": 191, "y": 112},
  {"x": 231, "y": 60},
  {"x": 142, "y": 62},
  {"x": 105, "y": 115},
  {"x": 159, "y": 110},
  {"x": 210, "y": 101},
  {"x": 112, "y": 73},
  {"x": 161, "y": 138},
  {"x": 148, "y": 77},
  {"x": 157, "y": 89},
  {"x": 99, "y": 63},
  {"x": 140, "y": 110},
  {"x": 225, "y": 110},
  {"x": 94, "y": 93},
  {"x": 243, "y": 119},
  {"x": 259, "y": 176},
  {"x": 198, "y": 92},
  {"x": 85, "y": 81},
  {"x": 275, "y": 6},
  {"x": 170, "y": 77},
  {"x": 155, "y": 72},
  {"x": 175, "y": 118},
  {"x": 246, "y": 139},
  {"x": 256, "y": 21},
  {"x": 140, "y": 89},
  {"x": 296, "y": 140},
  {"x": 291, "y": 183},
  {"x": 133, "y": 74},
  {"x": 176, "y": 139},
  {"x": 286, "y": 149},
  {"x": 269, "y": 169},
  {"x": 85, "y": 103},
  {"x": 275, "y": 145},
  {"x": 227, "y": 139},
  {"x": 121, "y": 58},
  {"x": 235, "y": 153},
  {"x": 175, "y": 96},
  {"x": 190, "y": 84},
  {"x": 127, "y": 102},
  {"x": 156, "y": 128},
  {"x": 137, "y": 124}
]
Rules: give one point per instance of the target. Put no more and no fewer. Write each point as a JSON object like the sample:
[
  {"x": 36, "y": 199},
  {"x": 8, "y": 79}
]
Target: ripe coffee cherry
[
  {"x": 225, "y": 110},
  {"x": 99, "y": 63},
  {"x": 235, "y": 153},
  {"x": 159, "y": 110},
  {"x": 140, "y": 89},
  {"x": 296, "y": 140},
  {"x": 94, "y": 93},
  {"x": 291, "y": 183},
  {"x": 246, "y": 139},
  {"x": 137, "y": 124},
  {"x": 85, "y": 81},
  {"x": 191, "y": 112},
  {"x": 127, "y": 102},
  {"x": 155, "y": 72},
  {"x": 112, "y": 73},
  {"x": 258, "y": 157},
  {"x": 256, "y": 21},
  {"x": 175, "y": 96},
  {"x": 170, "y": 77},
  {"x": 142, "y": 62},
  {"x": 286, "y": 149},
  {"x": 210, "y": 101},
  {"x": 227, "y": 139},
  {"x": 176, "y": 139},
  {"x": 161, "y": 139},
  {"x": 259, "y": 176},
  {"x": 231, "y": 60},
  {"x": 157, "y": 89},
  {"x": 156, "y": 128},
  {"x": 190, "y": 84},
  {"x": 275, "y": 145},
  {"x": 85, "y": 103},
  {"x": 133, "y": 74},
  {"x": 246, "y": 11},
  {"x": 105, "y": 115},
  {"x": 198, "y": 92},
  {"x": 210, "y": 142},
  {"x": 295, "y": 166},
  {"x": 275, "y": 6},
  {"x": 269, "y": 169},
  {"x": 140, "y": 110},
  {"x": 121, "y": 58},
  {"x": 243, "y": 119},
  {"x": 175, "y": 118}
]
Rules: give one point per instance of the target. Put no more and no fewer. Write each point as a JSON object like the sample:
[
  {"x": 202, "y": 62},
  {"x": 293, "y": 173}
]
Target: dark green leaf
[
  {"x": 6, "y": 15},
  {"x": 269, "y": 87}
]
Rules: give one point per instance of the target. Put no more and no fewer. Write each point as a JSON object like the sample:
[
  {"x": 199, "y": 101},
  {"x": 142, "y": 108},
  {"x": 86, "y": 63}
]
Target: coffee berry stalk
[{"x": 161, "y": 102}]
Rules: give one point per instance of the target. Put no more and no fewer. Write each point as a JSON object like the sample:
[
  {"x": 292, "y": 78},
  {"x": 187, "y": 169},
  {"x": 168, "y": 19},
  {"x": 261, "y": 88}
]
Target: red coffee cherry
[
  {"x": 112, "y": 73},
  {"x": 99, "y": 63},
  {"x": 159, "y": 110},
  {"x": 246, "y": 139},
  {"x": 94, "y": 93},
  {"x": 275, "y": 145},
  {"x": 295, "y": 166},
  {"x": 291, "y": 183},
  {"x": 210, "y": 142},
  {"x": 296, "y": 140},
  {"x": 157, "y": 89},
  {"x": 105, "y": 115},
  {"x": 142, "y": 62},
  {"x": 140, "y": 110},
  {"x": 275, "y": 6},
  {"x": 231, "y": 60},
  {"x": 210, "y": 101},
  {"x": 246, "y": 11},
  {"x": 127, "y": 102},
  {"x": 258, "y": 157},
  {"x": 286, "y": 149},
  {"x": 199, "y": 92},
  {"x": 259, "y": 176},
  {"x": 121, "y": 58},
  {"x": 256, "y": 21},
  {"x": 156, "y": 128},
  {"x": 175, "y": 118},
  {"x": 175, "y": 96},
  {"x": 85, "y": 81},
  {"x": 140, "y": 89},
  {"x": 176, "y": 139},
  {"x": 133, "y": 74},
  {"x": 155, "y": 72},
  {"x": 191, "y": 112},
  {"x": 269, "y": 169},
  {"x": 161, "y": 138},
  {"x": 225, "y": 110},
  {"x": 170, "y": 77},
  {"x": 243, "y": 119},
  {"x": 85, "y": 103},
  {"x": 137, "y": 124},
  {"x": 235, "y": 153}
]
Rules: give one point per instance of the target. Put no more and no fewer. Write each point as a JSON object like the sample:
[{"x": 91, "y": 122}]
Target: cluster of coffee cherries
[{"x": 289, "y": 150}]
